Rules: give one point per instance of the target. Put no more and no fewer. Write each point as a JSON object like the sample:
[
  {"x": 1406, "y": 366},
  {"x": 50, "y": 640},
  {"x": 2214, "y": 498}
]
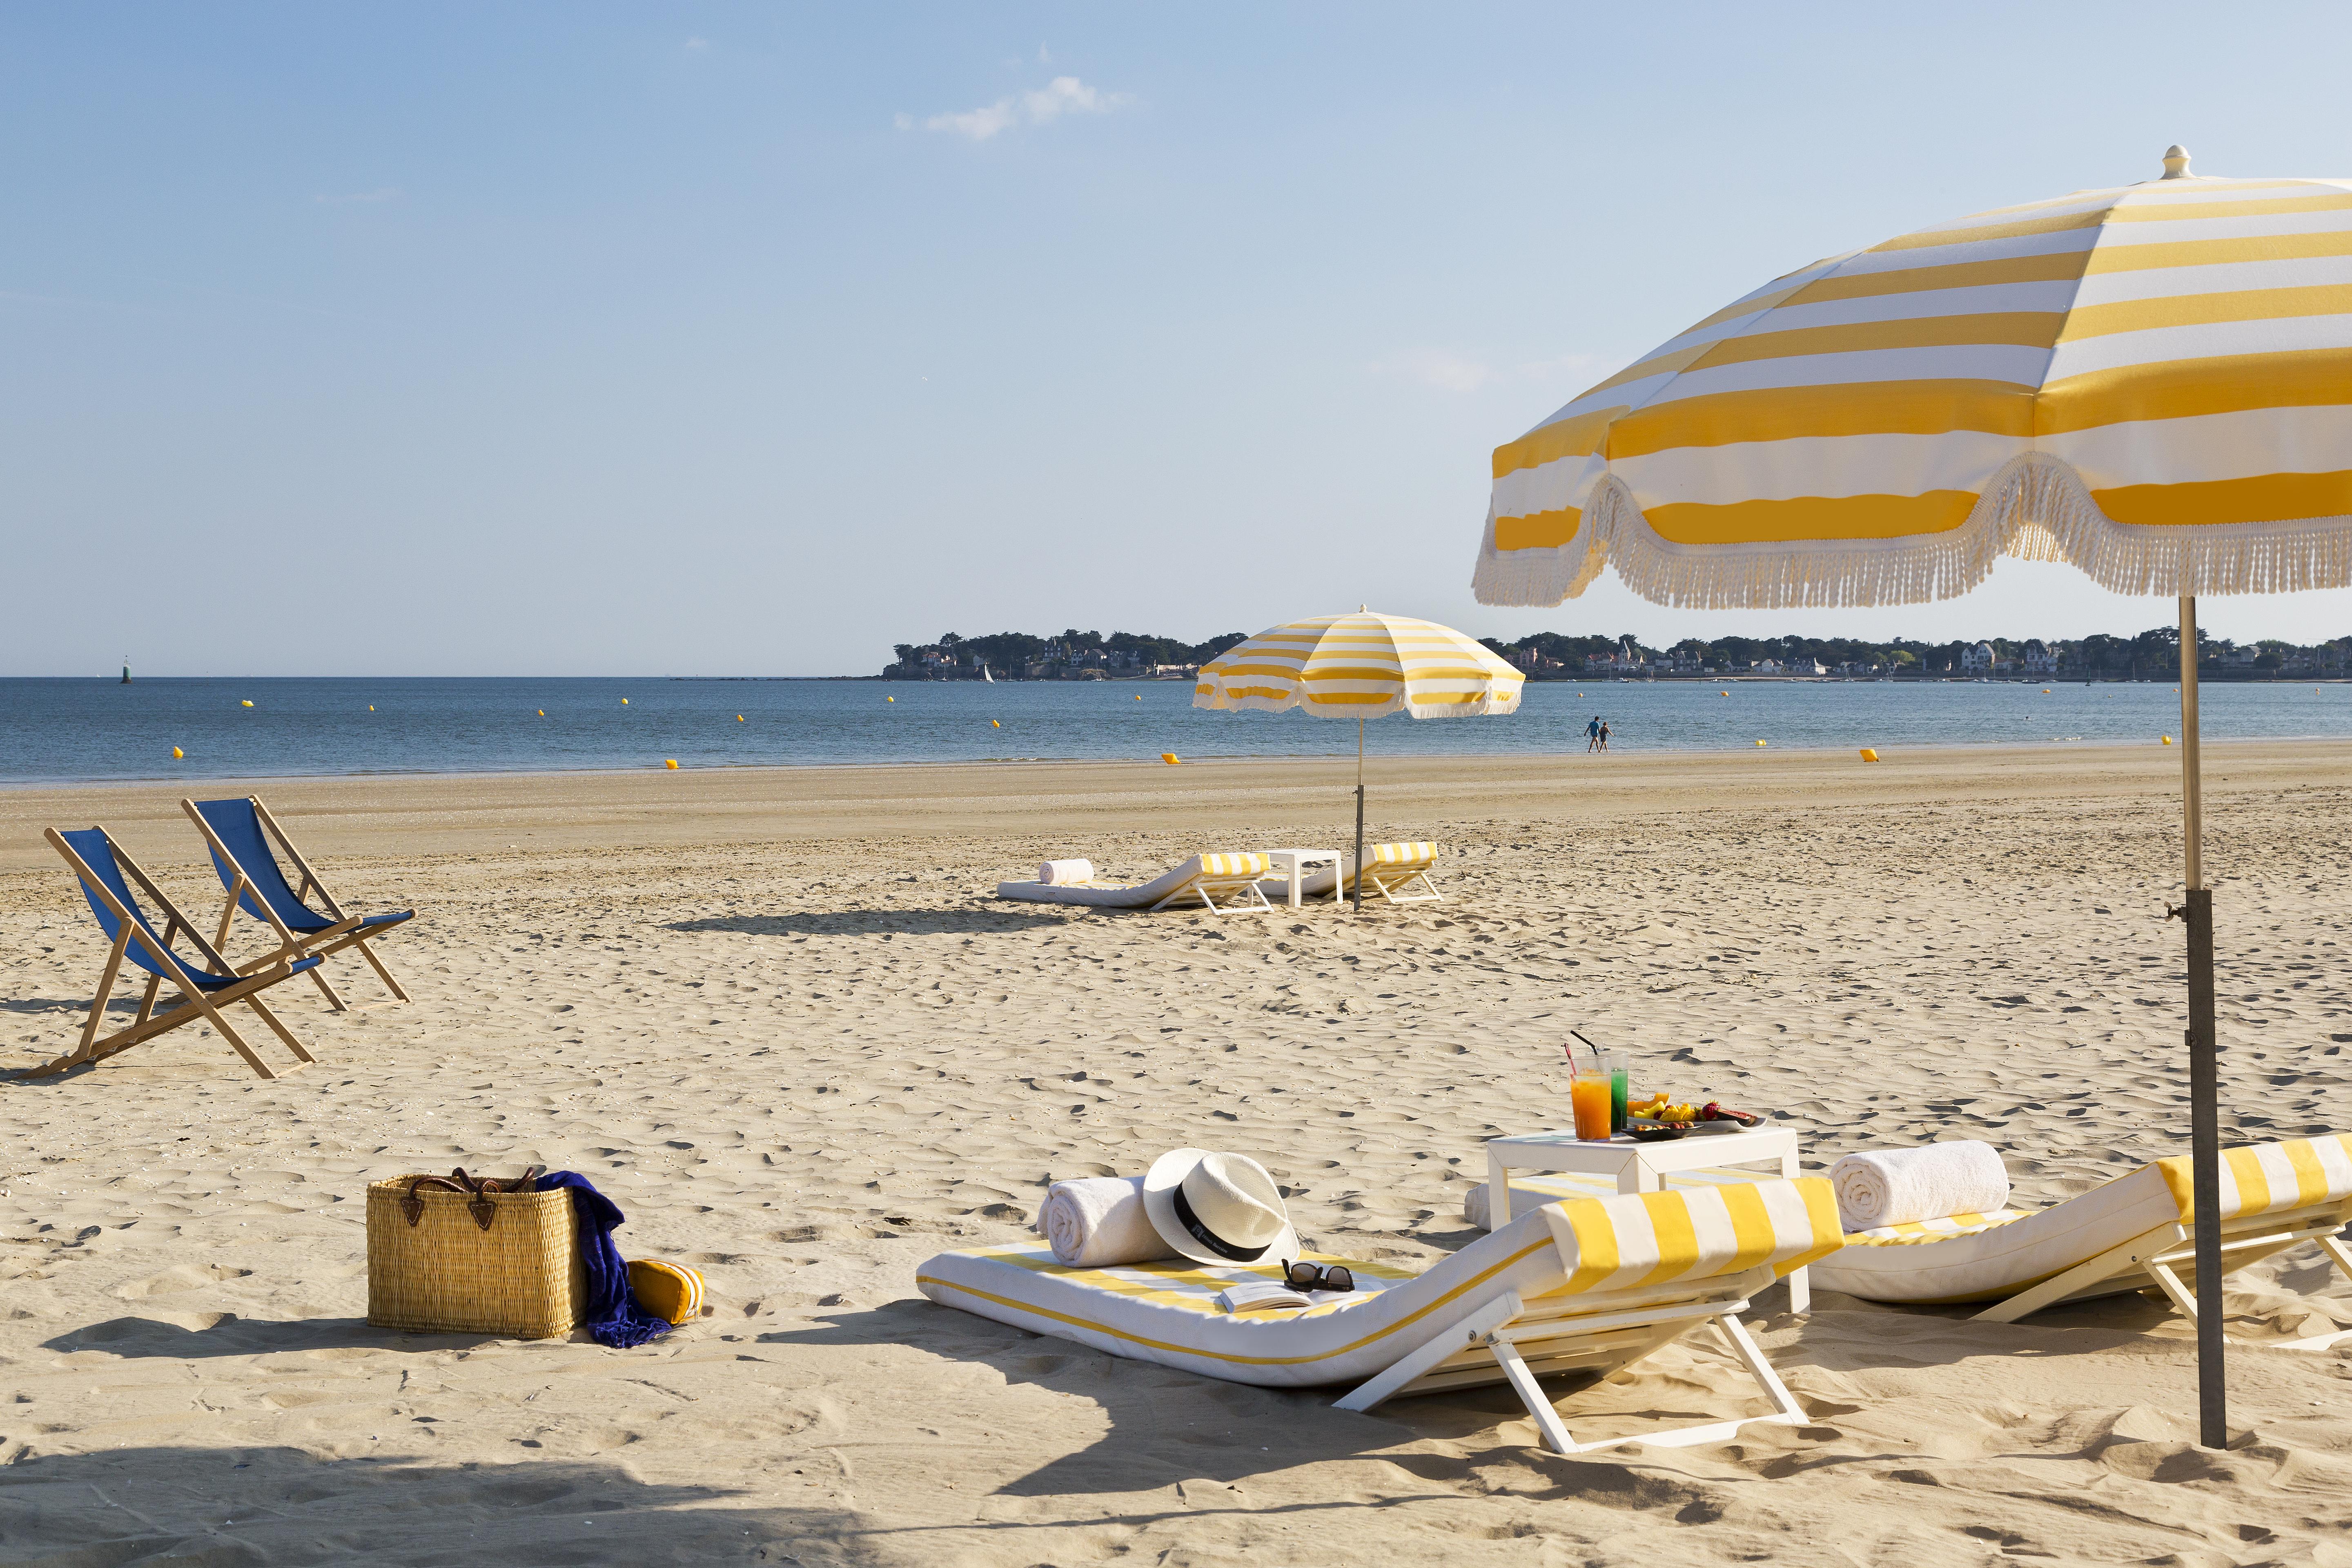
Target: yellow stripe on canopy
[
  {"x": 1361, "y": 667},
  {"x": 2153, "y": 382}
]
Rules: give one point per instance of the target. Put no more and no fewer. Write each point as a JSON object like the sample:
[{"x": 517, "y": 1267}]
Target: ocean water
[{"x": 60, "y": 731}]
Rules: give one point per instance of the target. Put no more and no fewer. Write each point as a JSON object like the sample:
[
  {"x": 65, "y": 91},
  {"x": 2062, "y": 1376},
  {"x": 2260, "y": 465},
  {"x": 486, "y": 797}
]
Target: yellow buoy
[
  {"x": 2045, "y": 691},
  {"x": 1138, "y": 696},
  {"x": 999, "y": 723},
  {"x": 245, "y": 704},
  {"x": 370, "y": 707},
  {"x": 889, "y": 699},
  {"x": 542, "y": 712},
  {"x": 1170, "y": 757},
  {"x": 1759, "y": 742},
  {"x": 177, "y": 753},
  {"x": 1719, "y": 694},
  {"x": 1867, "y": 754},
  {"x": 738, "y": 718},
  {"x": 625, "y": 702},
  {"x": 2166, "y": 739},
  {"x": 669, "y": 761}
]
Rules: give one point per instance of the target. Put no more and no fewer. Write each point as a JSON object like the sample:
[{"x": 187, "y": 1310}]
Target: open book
[{"x": 1254, "y": 1293}]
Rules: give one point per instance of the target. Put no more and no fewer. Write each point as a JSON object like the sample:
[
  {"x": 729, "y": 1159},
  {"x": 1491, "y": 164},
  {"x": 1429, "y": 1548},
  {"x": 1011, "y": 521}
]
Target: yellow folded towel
[{"x": 667, "y": 1290}]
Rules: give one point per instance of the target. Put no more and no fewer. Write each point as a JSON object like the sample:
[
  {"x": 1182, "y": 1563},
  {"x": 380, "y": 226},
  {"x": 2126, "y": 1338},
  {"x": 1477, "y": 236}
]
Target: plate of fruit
[{"x": 1663, "y": 1111}]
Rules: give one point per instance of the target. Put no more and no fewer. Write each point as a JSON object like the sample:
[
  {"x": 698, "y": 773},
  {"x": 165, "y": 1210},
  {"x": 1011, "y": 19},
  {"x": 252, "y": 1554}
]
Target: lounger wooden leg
[
  {"x": 1466, "y": 1332},
  {"x": 213, "y": 1016},
  {"x": 105, "y": 988},
  {"x": 228, "y": 913},
  {"x": 368, "y": 952},
  {"x": 1531, "y": 1394},
  {"x": 2139, "y": 1250},
  {"x": 270, "y": 1018},
  {"x": 147, "y": 1000},
  {"x": 319, "y": 978}
]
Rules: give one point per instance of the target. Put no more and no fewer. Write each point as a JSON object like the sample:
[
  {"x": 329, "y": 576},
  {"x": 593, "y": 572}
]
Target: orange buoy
[
  {"x": 669, "y": 761},
  {"x": 1170, "y": 757},
  {"x": 1867, "y": 754}
]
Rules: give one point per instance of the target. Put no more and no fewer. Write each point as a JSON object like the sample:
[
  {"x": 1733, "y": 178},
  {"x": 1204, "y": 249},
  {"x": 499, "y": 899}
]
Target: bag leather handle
[{"x": 478, "y": 1191}]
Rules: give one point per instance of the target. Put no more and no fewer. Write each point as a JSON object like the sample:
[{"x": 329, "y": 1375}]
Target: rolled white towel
[
  {"x": 1100, "y": 1223},
  {"x": 1065, "y": 873},
  {"x": 1897, "y": 1186}
]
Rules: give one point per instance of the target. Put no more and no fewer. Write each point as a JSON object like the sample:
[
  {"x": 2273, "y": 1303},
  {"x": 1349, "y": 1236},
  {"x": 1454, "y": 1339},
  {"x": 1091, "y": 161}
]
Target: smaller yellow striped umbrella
[{"x": 1359, "y": 666}]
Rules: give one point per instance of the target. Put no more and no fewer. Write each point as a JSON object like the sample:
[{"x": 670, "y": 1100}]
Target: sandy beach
[{"x": 780, "y": 1019}]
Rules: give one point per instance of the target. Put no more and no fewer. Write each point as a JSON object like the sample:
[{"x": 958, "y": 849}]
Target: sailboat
[{"x": 985, "y": 676}]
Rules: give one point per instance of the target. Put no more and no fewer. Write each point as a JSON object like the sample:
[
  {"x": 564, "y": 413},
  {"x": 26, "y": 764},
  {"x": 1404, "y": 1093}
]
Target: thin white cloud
[
  {"x": 383, "y": 193},
  {"x": 1042, "y": 106},
  {"x": 695, "y": 46},
  {"x": 1450, "y": 372}
]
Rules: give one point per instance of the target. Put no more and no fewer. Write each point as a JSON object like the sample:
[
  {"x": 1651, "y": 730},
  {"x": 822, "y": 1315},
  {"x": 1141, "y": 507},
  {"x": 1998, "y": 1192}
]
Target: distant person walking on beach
[
  {"x": 1604, "y": 737},
  {"x": 1592, "y": 734}
]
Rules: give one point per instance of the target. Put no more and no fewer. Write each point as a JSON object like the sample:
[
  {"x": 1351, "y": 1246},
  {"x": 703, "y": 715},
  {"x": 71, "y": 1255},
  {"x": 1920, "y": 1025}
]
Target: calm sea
[{"x": 56, "y": 730}]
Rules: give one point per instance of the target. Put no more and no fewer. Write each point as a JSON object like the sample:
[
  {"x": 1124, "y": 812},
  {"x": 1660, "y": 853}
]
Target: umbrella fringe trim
[{"x": 2036, "y": 508}]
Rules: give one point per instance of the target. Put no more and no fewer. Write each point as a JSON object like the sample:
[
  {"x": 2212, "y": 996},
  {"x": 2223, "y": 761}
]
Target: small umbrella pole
[
  {"x": 2204, "y": 1067},
  {"x": 1359, "y": 885}
]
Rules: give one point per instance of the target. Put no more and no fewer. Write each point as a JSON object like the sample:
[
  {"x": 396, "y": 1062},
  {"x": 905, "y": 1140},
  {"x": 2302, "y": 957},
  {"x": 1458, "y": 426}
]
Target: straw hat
[{"x": 1218, "y": 1208}]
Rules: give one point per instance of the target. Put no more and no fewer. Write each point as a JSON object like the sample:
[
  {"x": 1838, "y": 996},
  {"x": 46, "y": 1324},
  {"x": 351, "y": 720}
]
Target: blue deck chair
[
  {"x": 101, "y": 866},
  {"x": 238, "y": 833}
]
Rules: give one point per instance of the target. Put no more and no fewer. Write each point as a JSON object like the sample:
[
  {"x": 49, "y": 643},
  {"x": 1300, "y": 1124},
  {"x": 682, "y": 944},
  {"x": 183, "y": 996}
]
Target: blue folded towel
[{"x": 615, "y": 1319}]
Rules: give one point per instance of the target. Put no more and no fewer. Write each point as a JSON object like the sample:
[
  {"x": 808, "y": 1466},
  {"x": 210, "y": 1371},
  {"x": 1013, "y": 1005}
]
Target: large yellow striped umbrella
[
  {"x": 1361, "y": 667},
  {"x": 2153, "y": 382}
]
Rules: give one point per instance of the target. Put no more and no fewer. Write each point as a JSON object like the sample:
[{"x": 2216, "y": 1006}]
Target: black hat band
[{"x": 1210, "y": 1238}]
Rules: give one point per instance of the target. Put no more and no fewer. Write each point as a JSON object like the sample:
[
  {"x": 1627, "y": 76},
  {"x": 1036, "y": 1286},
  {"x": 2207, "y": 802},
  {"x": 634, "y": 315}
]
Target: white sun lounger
[
  {"x": 1396, "y": 872},
  {"x": 1530, "y": 1190},
  {"x": 2130, "y": 1234},
  {"x": 1221, "y": 882},
  {"x": 1592, "y": 1285}
]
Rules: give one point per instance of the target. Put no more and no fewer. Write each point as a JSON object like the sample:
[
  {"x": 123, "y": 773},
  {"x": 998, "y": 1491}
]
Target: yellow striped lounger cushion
[
  {"x": 1997, "y": 1259},
  {"x": 1530, "y": 1190},
  {"x": 1166, "y": 1311},
  {"x": 1387, "y": 861}
]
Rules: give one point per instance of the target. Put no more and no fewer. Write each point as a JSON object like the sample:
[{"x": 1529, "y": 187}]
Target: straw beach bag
[{"x": 463, "y": 1254}]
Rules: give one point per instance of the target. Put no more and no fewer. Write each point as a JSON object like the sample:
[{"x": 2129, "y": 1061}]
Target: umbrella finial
[
  {"x": 2176, "y": 163},
  {"x": 1363, "y": 609}
]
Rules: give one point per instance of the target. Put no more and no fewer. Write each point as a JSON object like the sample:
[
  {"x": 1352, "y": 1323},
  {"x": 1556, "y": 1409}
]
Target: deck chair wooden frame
[
  {"x": 348, "y": 932},
  {"x": 1522, "y": 1340},
  {"x": 2155, "y": 1257},
  {"x": 196, "y": 1002}
]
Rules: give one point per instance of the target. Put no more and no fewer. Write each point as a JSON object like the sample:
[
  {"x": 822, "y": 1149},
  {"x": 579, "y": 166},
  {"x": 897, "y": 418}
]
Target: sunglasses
[{"x": 1317, "y": 1277}]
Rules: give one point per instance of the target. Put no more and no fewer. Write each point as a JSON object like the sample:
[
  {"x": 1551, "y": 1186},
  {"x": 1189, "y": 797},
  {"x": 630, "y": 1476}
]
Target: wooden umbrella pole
[
  {"x": 1358, "y": 884},
  {"x": 2204, "y": 1065}
]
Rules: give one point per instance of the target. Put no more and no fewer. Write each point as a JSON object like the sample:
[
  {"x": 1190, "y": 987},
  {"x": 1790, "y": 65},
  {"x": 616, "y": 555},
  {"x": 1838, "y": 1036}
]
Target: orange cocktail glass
[{"x": 1589, "y": 1096}]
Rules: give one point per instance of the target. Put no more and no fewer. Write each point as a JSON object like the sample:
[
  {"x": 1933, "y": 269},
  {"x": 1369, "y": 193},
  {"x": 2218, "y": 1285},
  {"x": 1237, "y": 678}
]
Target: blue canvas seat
[
  {"x": 106, "y": 874},
  {"x": 238, "y": 833}
]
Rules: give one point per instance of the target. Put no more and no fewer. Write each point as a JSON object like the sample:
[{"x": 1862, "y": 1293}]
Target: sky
[{"x": 704, "y": 338}]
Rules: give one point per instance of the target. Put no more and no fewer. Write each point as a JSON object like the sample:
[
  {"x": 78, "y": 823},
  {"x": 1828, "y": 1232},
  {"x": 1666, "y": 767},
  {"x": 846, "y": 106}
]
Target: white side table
[
  {"x": 1638, "y": 1167},
  {"x": 1292, "y": 864}
]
